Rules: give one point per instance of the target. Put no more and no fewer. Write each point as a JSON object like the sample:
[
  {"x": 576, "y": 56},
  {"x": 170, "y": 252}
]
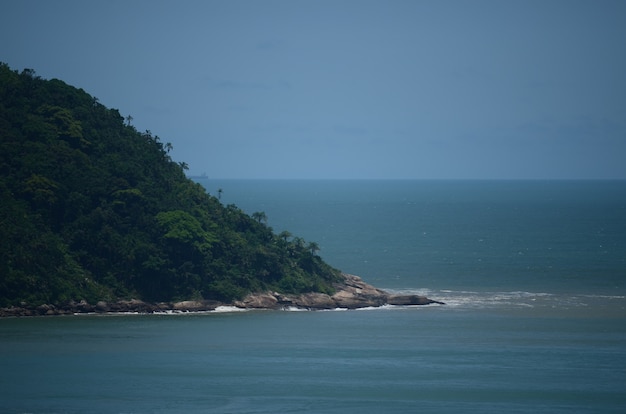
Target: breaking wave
[{"x": 519, "y": 300}]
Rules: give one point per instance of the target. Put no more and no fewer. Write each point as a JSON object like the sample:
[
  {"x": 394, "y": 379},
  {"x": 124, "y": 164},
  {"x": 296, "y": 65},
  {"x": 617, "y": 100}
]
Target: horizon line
[{"x": 207, "y": 177}]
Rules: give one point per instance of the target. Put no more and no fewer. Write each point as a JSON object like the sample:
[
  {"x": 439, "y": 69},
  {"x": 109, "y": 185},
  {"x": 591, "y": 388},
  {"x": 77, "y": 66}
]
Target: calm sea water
[{"x": 533, "y": 274}]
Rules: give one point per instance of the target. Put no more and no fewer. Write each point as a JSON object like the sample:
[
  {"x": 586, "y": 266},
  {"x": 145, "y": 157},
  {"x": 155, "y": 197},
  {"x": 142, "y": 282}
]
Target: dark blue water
[
  {"x": 533, "y": 274},
  {"x": 512, "y": 235}
]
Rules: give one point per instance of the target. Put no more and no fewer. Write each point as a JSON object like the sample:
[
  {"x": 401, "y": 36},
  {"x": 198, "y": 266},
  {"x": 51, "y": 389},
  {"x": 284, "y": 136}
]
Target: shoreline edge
[{"x": 351, "y": 293}]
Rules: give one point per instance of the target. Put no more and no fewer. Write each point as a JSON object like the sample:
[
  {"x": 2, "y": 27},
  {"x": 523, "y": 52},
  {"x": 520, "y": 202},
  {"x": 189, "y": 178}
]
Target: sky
[{"x": 348, "y": 89}]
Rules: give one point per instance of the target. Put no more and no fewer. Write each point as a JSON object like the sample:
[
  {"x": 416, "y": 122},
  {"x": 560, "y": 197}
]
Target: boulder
[
  {"x": 355, "y": 300},
  {"x": 102, "y": 306},
  {"x": 193, "y": 306},
  {"x": 133, "y": 305},
  {"x": 187, "y": 305},
  {"x": 258, "y": 301},
  {"x": 406, "y": 300},
  {"x": 314, "y": 300},
  {"x": 44, "y": 309},
  {"x": 83, "y": 307},
  {"x": 354, "y": 293}
]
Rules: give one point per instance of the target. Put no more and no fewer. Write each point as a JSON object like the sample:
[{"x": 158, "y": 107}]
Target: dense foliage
[{"x": 91, "y": 208}]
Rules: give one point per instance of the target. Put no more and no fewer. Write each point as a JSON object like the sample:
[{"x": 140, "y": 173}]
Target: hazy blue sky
[{"x": 348, "y": 89}]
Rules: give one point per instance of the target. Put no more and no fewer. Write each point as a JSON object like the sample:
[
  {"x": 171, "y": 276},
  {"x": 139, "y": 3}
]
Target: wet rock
[{"x": 407, "y": 300}]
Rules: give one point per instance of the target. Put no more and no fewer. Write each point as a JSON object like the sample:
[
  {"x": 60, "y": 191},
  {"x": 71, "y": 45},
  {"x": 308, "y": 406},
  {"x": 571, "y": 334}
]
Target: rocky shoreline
[{"x": 351, "y": 293}]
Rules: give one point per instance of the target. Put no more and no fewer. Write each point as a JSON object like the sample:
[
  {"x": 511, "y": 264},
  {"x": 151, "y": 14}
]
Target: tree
[
  {"x": 30, "y": 73},
  {"x": 298, "y": 243},
  {"x": 259, "y": 216},
  {"x": 182, "y": 227},
  {"x": 91, "y": 208},
  {"x": 219, "y": 193},
  {"x": 313, "y": 248},
  {"x": 285, "y": 235}
]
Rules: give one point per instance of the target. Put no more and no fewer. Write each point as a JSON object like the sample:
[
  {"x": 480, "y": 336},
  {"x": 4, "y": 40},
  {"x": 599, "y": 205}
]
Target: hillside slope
[{"x": 92, "y": 209}]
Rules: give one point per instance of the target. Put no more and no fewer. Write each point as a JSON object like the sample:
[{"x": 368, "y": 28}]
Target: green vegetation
[{"x": 91, "y": 208}]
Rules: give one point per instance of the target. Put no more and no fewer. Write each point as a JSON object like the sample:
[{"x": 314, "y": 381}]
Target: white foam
[
  {"x": 294, "y": 309},
  {"x": 473, "y": 299},
  {"x": 377, "y": 307},
  {"x": 228, "y": 309},
  {"x": 406, "y": 291},
  {"x": 168, "y": 312},
  {"x": 617, "y": 297}
]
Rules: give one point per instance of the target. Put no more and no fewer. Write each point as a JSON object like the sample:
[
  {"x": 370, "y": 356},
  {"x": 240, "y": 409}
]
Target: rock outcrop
[
  {"x": 351, "y": 293},
  {"x": 123, "y": 306}
]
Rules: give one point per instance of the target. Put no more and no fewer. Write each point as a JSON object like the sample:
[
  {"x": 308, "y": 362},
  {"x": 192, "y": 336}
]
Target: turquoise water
[{"x": 532, "y": 272}]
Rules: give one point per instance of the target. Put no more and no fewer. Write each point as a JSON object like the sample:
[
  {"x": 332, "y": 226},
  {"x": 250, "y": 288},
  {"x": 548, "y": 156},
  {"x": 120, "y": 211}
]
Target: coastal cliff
[{"x": 351, "y": 293}]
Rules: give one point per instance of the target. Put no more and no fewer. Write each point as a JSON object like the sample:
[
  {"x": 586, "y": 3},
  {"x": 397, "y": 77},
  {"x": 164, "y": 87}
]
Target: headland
[{"x": 351, "y": 293}]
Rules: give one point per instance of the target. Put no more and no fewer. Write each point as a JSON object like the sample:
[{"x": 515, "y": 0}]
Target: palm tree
[
  {"x": 29, "y": 72},
  {"x": 128, "y": 119},
  {"x": 168, "y": 147},
  {"x": 183, "y": 165},
  {"x": 259, "y": 216},
  {"x": 314, "y": 248},
  {"x": 298, "y": 242},
  {"x": 285, "y": 235},
  {"x": 219, "y": 193}
]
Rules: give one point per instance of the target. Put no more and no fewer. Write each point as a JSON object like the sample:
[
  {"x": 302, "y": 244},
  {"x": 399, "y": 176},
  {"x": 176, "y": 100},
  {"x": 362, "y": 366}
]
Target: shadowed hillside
[{"x": 92, "y": 209}]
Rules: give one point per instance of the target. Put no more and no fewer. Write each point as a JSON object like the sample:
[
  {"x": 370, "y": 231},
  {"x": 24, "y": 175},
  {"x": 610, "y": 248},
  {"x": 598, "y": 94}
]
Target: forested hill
[{"x": 92, "y": 209}]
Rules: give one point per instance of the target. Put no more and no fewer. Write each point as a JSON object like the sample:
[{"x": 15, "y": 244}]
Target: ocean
[{"x": 533, "y": 274}]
